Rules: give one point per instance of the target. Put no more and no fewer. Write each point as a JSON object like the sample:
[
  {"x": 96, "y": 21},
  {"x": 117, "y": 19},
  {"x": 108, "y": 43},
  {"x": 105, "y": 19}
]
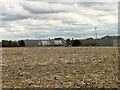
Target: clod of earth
[{"x": 60, "y": 67}]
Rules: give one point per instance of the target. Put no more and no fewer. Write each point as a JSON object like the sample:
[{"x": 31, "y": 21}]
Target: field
[{"x": 60, "y": 67}]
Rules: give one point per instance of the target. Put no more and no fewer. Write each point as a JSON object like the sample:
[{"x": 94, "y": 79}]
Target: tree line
[
  {"x": 6, "y": 43},
  {"x": 9, "y": 43}
]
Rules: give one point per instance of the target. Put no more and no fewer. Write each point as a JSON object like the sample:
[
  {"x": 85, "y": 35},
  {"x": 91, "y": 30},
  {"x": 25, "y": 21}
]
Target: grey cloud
[
  {"x": 13, "y": 18},
  {"x": 42, "y": 8},
  {"x": 56, "y": 20},
  {"x": 13, "y": 12},
  {"x": 35, "y": 11},
  {"x": 89, "y": 4}
]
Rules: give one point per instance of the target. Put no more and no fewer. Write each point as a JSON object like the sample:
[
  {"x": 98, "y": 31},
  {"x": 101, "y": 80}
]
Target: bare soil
[{"x": 60, "y": 67}]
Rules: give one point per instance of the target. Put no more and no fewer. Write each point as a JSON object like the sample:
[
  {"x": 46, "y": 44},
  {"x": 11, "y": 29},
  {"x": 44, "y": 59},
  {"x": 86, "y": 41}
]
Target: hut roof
[{"x": 113, "y": 37}]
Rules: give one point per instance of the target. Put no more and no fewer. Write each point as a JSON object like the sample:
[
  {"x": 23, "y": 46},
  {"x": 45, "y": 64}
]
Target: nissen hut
[{"x": 30, "y": 43}]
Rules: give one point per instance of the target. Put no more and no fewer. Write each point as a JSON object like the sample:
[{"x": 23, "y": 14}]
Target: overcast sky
[{"x": 32, "y": 19}]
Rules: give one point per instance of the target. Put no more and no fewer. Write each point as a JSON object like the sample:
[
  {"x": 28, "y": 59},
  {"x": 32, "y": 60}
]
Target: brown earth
[{"x": 60, "y": 67}]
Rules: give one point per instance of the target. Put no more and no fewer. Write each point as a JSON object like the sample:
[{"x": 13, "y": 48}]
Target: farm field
[{"x": 60, "y": 67}]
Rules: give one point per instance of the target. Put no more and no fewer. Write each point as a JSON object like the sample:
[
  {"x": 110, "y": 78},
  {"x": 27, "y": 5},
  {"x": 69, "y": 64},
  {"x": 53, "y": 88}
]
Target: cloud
[
  {"x": 14, "y": 12},
  {"x": 35, "y": 20},
  {"x": 43, "y": 7}
]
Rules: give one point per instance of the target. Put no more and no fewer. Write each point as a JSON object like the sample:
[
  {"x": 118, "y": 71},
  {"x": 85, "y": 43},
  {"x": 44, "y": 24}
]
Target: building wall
[
  {"x": 116, "y": 42},
  {"x": 109, "y": 42},
  {"x": 44, "y": 43},
  {"x": 106, "y": 42},
  {"x": 89, "y": 42}
]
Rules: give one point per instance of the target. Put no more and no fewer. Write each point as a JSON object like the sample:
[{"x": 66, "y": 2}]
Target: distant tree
[
  {"x": 21, "y": 43},
  {"x": 0, "y": 44},
  {"x": 76, "y": 43},
  {"x": 59, "y": 38},
  {"x": 69, "y": 42},
  {"x": 6, "y": 43},
  {"x": 90, "y": 38},
  {"x": 68, "y": 39},
  {"x": 15, "y": 44},
  {"x": 10, "y": 44}
]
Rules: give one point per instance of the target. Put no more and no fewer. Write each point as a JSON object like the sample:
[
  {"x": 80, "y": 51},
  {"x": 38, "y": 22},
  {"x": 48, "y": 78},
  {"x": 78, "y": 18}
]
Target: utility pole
[
  {"x": 96, "y": 35},
  {"x": 96, "y": 32}
]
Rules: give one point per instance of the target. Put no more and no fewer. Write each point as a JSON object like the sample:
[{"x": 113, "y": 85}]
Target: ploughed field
[{"x": 60, "y": 67}]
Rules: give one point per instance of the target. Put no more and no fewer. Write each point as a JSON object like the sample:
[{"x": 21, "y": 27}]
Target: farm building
[
  {"x": 86, "y": 42},
  {"x": 89, "y": 42},
  {"x": 110, "y": 41},
  {"x": 28, "y": 43}
]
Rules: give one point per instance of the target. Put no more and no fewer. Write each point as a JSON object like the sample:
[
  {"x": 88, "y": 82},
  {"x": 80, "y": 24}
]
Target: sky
[{"x": 34, "y": 19}]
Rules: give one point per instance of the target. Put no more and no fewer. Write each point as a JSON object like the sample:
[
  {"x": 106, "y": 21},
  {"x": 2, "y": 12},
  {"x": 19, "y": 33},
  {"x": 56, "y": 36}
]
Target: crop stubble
[{"x": 60, "y": 67}]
